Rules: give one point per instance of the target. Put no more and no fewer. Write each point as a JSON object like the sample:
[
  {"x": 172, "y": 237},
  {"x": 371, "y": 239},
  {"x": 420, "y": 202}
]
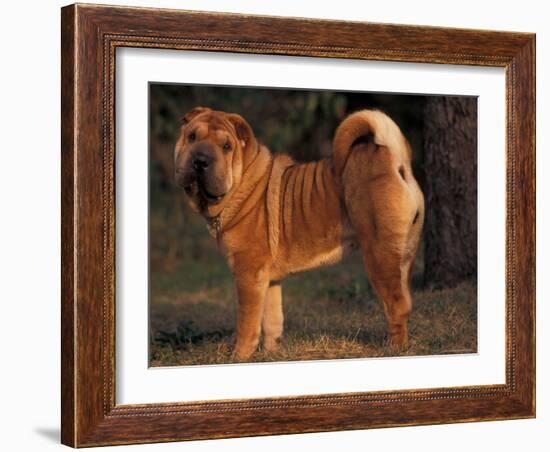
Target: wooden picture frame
[{"x": 90, "y": 36}]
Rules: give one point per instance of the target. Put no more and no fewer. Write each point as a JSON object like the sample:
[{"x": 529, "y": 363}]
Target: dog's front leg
[
  {"x": 251, "y": 291},
  {"x": 272, "y": 323}
]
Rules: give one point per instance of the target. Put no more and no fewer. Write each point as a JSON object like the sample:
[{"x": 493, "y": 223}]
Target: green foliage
[{"x": 285, "y": 120}]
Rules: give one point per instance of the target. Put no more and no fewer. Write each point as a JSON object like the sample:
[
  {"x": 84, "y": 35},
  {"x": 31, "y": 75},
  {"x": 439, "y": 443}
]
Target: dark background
[{"x": 442, "y": 131}]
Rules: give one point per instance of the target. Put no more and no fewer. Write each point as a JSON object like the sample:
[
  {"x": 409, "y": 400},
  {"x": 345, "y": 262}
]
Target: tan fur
[{"x": 280, "y": 217}]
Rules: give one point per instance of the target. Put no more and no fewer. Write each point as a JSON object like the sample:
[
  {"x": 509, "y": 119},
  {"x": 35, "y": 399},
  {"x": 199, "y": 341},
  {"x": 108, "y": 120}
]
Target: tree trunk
[{"x": 450, "y": 146}]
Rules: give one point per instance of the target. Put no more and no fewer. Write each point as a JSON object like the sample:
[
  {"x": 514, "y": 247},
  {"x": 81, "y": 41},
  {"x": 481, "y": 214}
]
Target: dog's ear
[
  {"x": 188, "y": 117},
  {"x": 243, "y": 129}
]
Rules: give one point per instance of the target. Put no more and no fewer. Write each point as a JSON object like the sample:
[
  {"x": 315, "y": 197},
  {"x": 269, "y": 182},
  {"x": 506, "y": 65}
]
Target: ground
[{"x": 329, "y": 313}]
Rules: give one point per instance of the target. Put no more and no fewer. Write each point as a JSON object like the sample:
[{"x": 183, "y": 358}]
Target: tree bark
[{"x": 450, "y": 146}]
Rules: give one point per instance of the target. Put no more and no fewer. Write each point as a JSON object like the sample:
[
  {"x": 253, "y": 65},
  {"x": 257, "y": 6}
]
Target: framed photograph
[{"x": 282, "y": 225}]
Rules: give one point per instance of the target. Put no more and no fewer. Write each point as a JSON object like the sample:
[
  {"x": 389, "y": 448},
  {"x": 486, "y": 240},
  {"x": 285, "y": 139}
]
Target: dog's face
[{"x": 211, "y": 154}]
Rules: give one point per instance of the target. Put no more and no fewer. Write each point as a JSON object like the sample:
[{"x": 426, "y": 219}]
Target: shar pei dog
[{"x": 273, "y": 217}]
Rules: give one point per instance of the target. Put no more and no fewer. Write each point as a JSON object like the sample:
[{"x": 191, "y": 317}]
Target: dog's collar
[{"x": 214, "y": 226}]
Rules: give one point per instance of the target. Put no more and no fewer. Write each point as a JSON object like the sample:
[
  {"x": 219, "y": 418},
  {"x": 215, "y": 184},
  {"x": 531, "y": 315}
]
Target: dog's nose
[{"x": 200, "y": 162}]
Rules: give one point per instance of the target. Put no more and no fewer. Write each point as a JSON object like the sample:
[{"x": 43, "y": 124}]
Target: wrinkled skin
[
  {"x": 209, "y": 156},
  {"x": 276, "y": 217}
]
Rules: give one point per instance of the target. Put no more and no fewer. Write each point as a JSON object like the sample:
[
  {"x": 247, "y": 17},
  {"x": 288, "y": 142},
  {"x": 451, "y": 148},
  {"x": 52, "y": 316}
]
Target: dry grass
[{"x": 329, "y": 313}]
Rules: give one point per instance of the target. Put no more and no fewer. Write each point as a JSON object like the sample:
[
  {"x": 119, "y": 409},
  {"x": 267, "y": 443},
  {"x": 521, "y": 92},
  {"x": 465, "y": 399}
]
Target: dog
[{"x": 273, "y": 217}]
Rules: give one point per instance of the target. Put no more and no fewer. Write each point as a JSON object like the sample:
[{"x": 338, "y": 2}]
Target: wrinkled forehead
[{"x": 212, "y": 124}]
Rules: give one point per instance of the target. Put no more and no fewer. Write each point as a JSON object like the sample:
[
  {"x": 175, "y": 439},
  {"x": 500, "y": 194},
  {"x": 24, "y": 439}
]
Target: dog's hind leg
[
  {"x": 272, "y": 322},
  {"x": 386, "y": 212},
  {"x": 388, "y": 258},
  {"x": 389, "y": 275}
]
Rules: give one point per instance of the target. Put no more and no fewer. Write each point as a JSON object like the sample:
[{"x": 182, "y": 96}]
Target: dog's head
[{"x": 211, "y": 154}]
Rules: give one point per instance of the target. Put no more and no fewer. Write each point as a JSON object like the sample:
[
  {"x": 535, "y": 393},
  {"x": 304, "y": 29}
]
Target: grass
[{"x": 329, "y": 312}]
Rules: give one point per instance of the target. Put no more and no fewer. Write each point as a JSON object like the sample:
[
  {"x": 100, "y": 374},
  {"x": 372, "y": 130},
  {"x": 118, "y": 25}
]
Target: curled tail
[{"x": 363, "y": 126}]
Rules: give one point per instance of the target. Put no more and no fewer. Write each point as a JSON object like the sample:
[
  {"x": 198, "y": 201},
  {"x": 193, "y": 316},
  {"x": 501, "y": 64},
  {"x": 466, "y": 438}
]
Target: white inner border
[{"x": 136, "y": 383}]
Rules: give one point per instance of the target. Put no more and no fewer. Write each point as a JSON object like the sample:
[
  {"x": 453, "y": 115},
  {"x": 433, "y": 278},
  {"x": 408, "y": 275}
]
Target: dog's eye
[
  {"x": 227, "y": 146},
  {"x": 191, "y": 136}
]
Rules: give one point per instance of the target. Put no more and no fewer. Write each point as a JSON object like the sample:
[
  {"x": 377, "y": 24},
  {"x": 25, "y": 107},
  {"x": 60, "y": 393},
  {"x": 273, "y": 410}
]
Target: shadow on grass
[{"x": 187, "y": 333}]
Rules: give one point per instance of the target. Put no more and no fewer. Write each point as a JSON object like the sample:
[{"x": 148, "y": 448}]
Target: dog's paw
[
  {"x": 242, "y": 354},
  {"x": 272, "y": 344},
  {"x": 398, "y": 343}
]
